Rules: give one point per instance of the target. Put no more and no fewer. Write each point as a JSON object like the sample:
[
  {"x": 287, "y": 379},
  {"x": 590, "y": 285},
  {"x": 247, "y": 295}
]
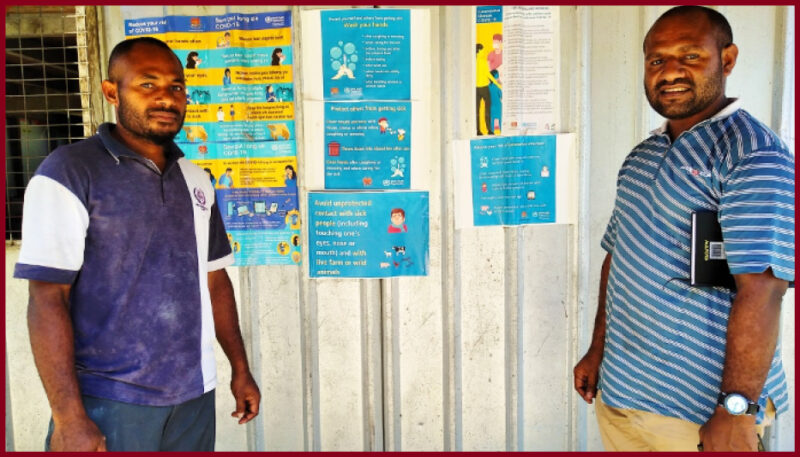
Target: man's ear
[
  {"x": 110, "y": 92},
  {"x": 729, "y": 56}
]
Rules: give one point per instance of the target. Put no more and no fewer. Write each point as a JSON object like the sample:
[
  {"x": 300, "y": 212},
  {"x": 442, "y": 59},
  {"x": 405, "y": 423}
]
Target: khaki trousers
[{"x": 634, "y": 430}]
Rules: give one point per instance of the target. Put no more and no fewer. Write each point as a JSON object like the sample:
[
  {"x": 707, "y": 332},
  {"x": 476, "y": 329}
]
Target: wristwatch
[{"x": 737, "y": 404}]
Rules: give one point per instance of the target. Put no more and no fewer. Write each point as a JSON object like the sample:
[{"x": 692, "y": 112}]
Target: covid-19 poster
[
  {"x": 368, "y": 234},
  {"x": 515, "y": 180},
  {"x": 239, "y": 124}
]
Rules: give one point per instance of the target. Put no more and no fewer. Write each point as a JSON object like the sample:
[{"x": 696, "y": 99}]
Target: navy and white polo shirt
[
  {"x": 136, "y": 246},
  {"x": 665, "y": 340}
]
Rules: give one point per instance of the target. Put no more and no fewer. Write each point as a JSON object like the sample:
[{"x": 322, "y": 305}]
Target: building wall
[{"x": 477, "y": 355}]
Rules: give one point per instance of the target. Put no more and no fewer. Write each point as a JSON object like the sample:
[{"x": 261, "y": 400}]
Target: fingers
[
  {"x": 585, "y": 384},
  {"x": 252, "y": 401},
  {"x": 240, "y": 406}
]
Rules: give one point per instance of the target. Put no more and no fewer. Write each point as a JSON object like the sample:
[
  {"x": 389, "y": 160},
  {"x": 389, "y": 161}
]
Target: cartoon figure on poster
[
  {"x": 397, "y": 221},
  {"x": 290, "y": 176},
  {"x": 343, "y": 60},
  {"x": 489, "y": 70},
  {"x": 226, "y": 180},
  {"x": 277, "y": 56},
  {"x": 483, "y": 96}
]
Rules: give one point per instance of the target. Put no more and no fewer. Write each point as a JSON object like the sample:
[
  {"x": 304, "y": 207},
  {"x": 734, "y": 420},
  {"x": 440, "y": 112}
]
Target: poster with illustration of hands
[
  {"x": 516, "y": 180},
  {"x": 366, "y": 54},
  {"x": 368, "y": 234}
]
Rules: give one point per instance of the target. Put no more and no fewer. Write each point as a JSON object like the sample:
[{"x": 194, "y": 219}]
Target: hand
[
  {"x": 77, "y": 436},
  {"x": 247, "y": 396},
  {"x": 726, "y": 432},
  {"x": 586, "y": 373}
]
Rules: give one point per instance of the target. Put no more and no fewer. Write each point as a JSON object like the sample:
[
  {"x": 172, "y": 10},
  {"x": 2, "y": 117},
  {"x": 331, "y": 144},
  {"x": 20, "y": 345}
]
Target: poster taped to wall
[
  {"x": 374, "y": 142},
  {"x": 515, "y": 180},
  {"x": 368, "y": 234},
  {"x": 239, "y": 124},
  {"x": 516, "y": 70}
]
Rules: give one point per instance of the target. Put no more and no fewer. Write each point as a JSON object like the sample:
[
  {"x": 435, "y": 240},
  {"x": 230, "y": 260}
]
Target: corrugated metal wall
[{"x": 477, "y": 355}]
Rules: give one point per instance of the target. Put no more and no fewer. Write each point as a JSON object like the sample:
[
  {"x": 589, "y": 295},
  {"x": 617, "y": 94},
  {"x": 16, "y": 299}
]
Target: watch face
[{"x": 735, "y": 404}]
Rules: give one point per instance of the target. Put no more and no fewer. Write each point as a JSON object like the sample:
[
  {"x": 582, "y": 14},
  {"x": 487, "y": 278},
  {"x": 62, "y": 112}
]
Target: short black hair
[
  {"x": 125, "y": 46},
  {"x": 721, "y": 28}
]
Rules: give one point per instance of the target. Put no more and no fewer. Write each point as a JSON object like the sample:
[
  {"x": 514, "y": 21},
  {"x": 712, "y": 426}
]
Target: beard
[
  {"x": 704, "y": 95},
  {"x": 137, "y": 123}
]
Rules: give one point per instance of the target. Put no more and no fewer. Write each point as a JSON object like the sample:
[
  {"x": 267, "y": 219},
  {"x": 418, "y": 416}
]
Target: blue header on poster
[
  {"x": 368, "y": 234},
  {"x": 488, "y": 14},
  {"x": 217, "y": 23}
]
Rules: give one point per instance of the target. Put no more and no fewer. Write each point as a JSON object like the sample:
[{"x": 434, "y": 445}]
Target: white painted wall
[{"x": 478, "y": 354}]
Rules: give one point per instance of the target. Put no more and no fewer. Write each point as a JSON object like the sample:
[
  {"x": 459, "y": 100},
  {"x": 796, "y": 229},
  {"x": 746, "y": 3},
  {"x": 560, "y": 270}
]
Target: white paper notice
[{"x": 530, "y": 62}]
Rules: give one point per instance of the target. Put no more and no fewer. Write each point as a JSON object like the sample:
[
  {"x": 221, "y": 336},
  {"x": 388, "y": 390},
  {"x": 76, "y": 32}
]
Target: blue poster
[
  {"x": 239, "y": 124},
  {"x": 368, "y": 234},
  {"x": 513, "y": 180},
  {"x": 367, "y": 145},
  {"x": 366, "y": 54}
]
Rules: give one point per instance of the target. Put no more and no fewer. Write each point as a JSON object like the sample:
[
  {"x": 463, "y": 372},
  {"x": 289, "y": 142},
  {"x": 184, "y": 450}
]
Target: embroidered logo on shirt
[
  {"x": 200, "y": 197},
  {"x": 696, "y": 172}
]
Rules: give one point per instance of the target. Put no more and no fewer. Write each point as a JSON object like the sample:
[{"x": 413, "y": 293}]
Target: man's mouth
[{"x": 164, "y": 116}]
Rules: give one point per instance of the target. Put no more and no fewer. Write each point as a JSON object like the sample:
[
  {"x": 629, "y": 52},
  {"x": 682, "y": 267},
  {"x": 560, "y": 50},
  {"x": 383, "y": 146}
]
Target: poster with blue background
[
  {"x": 513, "y": 180},
  {"x": 368, "y": 234},
  {"x": 366, "y": 54},
  {"x": 368, "y": 145},
  {"x": 239, "y": 124}
]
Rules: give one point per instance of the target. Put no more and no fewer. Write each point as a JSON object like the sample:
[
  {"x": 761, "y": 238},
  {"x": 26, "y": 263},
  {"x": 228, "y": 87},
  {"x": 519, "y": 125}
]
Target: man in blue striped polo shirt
[
  {"x": 680, "y": 365},
  {"x": 125, "y": 250}
]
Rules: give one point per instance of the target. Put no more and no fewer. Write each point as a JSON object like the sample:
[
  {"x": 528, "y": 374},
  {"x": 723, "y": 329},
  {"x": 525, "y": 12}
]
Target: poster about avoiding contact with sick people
[
  {"x": 368, "y": 234},
  {"x": 239, "y": 124}
]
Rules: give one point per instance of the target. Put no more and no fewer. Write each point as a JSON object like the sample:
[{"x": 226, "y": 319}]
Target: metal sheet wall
[{"x": 477, "y": 355}]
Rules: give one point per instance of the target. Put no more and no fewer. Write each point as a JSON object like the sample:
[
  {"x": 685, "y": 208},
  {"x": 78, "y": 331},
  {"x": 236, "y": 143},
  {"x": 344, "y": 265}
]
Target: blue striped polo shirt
[
  {"x": 665, "y": 340},
  {"x": 136, "y": 246}
]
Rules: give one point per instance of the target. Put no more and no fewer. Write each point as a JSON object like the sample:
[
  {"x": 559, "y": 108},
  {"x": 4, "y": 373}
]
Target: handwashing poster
[
  {"x": 239, "y": 124},
  {"x": 365, "y": 54}
]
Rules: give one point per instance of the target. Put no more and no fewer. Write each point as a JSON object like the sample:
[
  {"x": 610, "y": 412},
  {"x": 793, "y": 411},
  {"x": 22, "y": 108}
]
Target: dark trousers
[
  {"x": 482, "y": 93},
  {"x": 187, "y": 427}
]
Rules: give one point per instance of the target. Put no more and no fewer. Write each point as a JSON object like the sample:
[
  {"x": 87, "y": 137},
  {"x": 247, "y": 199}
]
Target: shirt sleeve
[
  {"x": 54, "y": 225},
  {"x": 756, "y": 213},
  {"x": 219, "y": 248},
  {"x": 610, "y": 236}
]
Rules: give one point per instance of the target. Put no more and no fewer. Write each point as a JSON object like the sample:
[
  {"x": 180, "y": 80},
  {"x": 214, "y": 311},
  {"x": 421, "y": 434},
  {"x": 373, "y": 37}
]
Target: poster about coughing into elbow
[{"x": 239, "y": 124}]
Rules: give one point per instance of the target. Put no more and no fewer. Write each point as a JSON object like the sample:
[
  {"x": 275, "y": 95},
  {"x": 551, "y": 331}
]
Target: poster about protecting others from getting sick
[
  {"x": 368, "y": 234},
  {"x": 368, "y": 145},
  {"x": 239, "y": 124}
]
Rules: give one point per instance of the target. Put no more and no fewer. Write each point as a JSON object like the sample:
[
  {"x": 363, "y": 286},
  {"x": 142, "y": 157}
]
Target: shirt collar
[
  {"x": 117, "y": 149},
  {"x": 728, "y": 110}
]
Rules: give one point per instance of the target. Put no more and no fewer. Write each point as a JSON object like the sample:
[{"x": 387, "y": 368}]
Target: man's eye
[
  {"x": 178, "y": 88},
  {"x": 692, "y": 56},
  {"x": 147, "y": 85},
  {"x": 656, "y": 62}
]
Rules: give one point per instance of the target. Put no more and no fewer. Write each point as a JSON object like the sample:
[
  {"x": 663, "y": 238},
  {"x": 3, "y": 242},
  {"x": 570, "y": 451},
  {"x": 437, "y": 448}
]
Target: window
[{"x": 48, "y": 87}]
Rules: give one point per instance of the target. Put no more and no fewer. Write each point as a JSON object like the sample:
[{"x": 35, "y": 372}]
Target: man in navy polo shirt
[
  {"x": 125, "y": 251},
  {"x": 682, "y": 368}
]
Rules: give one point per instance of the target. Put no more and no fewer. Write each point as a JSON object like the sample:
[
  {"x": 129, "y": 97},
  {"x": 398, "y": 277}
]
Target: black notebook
[{"x": 709, "y": 263}]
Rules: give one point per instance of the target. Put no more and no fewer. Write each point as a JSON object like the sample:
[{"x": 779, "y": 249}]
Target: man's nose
[{"x": 673, "y": 69}]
